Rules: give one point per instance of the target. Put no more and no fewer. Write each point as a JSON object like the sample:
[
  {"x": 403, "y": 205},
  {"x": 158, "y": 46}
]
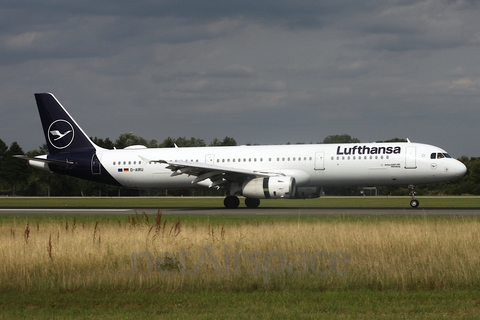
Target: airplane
[{"x": 254, "y": 172}]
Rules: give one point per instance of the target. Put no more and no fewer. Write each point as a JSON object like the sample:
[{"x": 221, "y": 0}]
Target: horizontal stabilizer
[{"x": 44, "y": 160}]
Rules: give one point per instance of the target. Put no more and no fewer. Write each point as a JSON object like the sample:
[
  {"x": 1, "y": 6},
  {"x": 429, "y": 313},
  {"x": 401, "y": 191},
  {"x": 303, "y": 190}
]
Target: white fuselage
[{"x": 312, "y": 165}]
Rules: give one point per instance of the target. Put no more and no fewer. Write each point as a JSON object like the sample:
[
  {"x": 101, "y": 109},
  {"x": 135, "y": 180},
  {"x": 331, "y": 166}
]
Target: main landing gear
[
  {"x": 232, "y": 202},
  {"x": 252, "y": 203},
  {"x": 414, "y": 203}
]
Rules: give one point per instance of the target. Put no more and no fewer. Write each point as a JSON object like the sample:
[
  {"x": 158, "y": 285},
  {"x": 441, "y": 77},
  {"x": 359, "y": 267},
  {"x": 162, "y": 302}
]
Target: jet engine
[{"x": 271, "y": 187}]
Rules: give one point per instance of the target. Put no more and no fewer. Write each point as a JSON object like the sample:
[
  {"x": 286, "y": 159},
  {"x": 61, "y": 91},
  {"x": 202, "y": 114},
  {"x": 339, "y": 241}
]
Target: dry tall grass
[{"x": 168, "y": 256}]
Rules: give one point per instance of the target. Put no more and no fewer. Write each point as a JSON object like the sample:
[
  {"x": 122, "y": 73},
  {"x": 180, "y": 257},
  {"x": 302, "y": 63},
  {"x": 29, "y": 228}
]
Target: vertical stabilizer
[{"x": 62, "y": 133}]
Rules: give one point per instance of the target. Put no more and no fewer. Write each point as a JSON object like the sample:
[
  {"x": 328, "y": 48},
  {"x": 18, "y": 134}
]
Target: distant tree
[
  {"x": 3, "y": 154},
  {"x": 43, "y": 149},
  {"x": 227, "y": 141},
  {"x": 340, "y": 138},
  {"x": 15, "y": 171},
  {"x": 38, "y": 182},
  {"x": 104, "y": 143},
  {"x": 394, "y": 140},
  {"x": 470, "y": 183},
  {"x": 129, "y": 139},
  {"x": 182, "y": 142},
  {"x": 152, "y": 143},
  {"x": 193, "y": 142},
  {"x": 167, "y": 143},
  {"x": 3, "y": 147}
]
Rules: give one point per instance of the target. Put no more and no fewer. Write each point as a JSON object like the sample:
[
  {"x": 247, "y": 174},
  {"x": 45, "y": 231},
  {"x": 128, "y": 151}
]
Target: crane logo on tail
[{"x": 60, "y": 134}]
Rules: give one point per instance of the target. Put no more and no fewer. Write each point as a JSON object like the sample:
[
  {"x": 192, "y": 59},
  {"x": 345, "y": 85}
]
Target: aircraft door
[
  {"x": 320, "y": 160},
  {"x": 96, "y": 165},
  {"x": 209, "y": 158},
  {"x": 411, "y": 158}
]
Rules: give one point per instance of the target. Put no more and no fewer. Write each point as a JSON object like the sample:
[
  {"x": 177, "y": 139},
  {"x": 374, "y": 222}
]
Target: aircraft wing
[{"x": 217, "y": 174}]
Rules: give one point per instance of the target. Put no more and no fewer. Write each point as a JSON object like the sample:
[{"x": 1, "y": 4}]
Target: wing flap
[{"x": 217, "y": 174}]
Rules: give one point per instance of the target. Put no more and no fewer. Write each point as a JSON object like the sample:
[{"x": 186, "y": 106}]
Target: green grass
[
  {"x": 259, "y": 304},
  {"x": 198, "y": 202}
]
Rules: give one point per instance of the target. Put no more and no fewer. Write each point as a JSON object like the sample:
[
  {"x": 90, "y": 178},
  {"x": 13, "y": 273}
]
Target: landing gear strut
[{"x": 414, "y": 203}]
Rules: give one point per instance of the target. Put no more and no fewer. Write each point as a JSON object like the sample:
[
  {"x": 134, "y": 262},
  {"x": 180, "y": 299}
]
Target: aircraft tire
[
  {"x": 231, "y": 202},
  {"x": 414, "y": 203},
  {"x": 252, "y": 203}
]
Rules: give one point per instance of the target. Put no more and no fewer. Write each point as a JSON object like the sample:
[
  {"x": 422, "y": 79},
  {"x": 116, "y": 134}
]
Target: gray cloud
[{"x": 261, "y": 72}]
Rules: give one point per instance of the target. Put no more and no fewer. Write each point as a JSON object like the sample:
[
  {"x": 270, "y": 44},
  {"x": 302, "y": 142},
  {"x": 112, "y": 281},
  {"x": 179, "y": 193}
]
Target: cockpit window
[{"x": 439, "y": 155}]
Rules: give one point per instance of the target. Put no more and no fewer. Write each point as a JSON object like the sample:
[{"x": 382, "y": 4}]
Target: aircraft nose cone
[{"x": 459, "y": 169}]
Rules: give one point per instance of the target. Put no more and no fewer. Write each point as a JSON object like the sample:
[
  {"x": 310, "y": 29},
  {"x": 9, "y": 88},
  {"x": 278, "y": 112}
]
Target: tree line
[{"x": 19, "y": 179}]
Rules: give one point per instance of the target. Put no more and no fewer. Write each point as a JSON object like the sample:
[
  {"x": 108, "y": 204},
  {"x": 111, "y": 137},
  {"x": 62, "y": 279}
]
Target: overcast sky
[{"x": 263, "y": 72}]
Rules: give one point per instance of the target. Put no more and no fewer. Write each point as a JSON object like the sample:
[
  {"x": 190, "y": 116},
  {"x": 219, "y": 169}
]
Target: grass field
[
  {"x": 222, "y": 267},
  {"x": 167, "y": 202}
]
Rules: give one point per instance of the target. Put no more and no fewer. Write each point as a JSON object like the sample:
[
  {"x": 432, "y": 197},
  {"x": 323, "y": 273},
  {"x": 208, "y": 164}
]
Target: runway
[{"x": 266, "y": 212}]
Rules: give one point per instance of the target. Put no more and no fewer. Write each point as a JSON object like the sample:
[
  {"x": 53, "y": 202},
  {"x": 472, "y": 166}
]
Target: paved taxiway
[{"x": 319, "y": 212}]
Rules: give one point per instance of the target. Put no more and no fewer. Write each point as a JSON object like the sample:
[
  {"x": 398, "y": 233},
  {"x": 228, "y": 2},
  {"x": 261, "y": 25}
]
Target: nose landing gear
[{"x": 414, "y": 203}]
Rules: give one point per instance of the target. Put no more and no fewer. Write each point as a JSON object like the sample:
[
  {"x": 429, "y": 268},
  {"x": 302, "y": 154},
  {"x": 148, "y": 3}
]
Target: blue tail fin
[{"x": 62, "y": 133}]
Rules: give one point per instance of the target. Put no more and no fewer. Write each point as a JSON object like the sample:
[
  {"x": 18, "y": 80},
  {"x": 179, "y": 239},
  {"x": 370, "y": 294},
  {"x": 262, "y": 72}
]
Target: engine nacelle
[
  {"x": 307, "y": 192},
  {"x": 271, "y": 187}
]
